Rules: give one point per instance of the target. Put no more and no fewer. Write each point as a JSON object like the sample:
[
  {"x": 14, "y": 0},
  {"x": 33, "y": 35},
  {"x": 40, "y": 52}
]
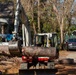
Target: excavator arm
[{"x": 14, "y": 46}]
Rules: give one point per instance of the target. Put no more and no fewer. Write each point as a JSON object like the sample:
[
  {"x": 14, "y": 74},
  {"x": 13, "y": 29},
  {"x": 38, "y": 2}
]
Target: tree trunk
[
  {"x": 4, "y": 50},
  {"x": 61, "y": 32},
  {"x": 39, "y": 51},
  {"x": 38, "y": 15},
  {"x": 33, "y": 18},
  {"x": 2, "y": 29}
]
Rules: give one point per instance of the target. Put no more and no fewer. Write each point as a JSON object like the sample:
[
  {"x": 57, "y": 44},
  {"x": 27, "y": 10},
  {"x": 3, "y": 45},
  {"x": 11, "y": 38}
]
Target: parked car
[{"x": 71, "y": 44}]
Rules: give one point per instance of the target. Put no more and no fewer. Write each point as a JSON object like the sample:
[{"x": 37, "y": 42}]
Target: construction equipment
[
  {"x": 12, "y": 38},
  {"x": 43, "y": 51},
  {"x": 45, "y": 44}
]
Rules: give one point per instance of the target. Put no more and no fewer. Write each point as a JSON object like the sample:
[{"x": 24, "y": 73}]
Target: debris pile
[
  {"x": 9, "y": 65},
  {"x": 66, "y": 67}
]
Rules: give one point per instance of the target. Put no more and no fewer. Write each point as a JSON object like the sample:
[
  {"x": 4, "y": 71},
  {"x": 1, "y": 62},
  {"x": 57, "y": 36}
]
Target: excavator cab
[{"x": 46, "y": 39}]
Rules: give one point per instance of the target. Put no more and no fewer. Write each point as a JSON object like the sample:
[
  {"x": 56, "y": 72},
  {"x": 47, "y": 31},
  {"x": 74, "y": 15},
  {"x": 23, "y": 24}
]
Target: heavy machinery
[
  {"x": 10, "y": 38},
  {"x": 43, "y": 51}
]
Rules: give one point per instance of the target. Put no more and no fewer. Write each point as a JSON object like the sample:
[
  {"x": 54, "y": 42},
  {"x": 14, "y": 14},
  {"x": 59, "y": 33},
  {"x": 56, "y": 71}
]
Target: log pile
[
  {"x": 66, "y": 67},
  {"x": 4, "y": 50},
  {"x": 9, "y": 65},
  {"x": 39, "y": 51}
]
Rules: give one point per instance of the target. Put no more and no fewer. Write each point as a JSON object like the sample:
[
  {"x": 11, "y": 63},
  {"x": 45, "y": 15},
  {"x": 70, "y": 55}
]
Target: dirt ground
[
  {"x": 13, "y": 68},
  {"x": 63, "y": 53},
  {"x": 67, "y": 54},
  {"x": 9, "y": 65},
  {"x": 67, "y": 64}
]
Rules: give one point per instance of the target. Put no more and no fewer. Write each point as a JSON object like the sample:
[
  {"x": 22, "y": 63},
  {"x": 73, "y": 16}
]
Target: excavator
[
  {"x": 15, "y": 44},
  {"x": 10, "y": 38}
]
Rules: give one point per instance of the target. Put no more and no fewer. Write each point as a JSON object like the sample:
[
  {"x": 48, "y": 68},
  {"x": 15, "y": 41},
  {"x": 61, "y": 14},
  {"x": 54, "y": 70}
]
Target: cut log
[
  {"x": 4, "y": 50},
  {"x": 39, "y": 51},
  {"x": 59, "y": 66},
  {"x": 66, "y": 61}
]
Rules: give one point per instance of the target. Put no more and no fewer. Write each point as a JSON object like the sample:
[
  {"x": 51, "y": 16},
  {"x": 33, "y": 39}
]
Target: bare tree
[
  {"x": 61, "y": 10},
  {"x": 32, "y": 15},
  {"x": 38, "y": 15}
]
